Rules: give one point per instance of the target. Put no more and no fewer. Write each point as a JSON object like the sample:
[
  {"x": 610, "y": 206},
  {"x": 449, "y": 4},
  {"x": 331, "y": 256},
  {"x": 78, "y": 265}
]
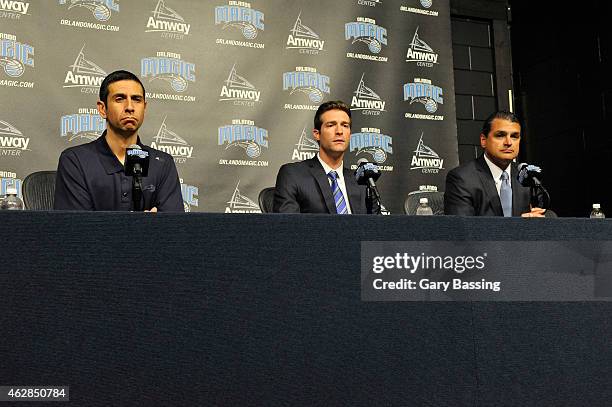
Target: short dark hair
[
  {"x": 116, "y": 77},
  {"x": 331, "y": 105},
  {"x": 500, "y": 114}
]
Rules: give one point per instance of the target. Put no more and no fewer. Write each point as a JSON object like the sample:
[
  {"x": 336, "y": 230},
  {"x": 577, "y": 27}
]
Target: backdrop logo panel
[
  {"x": 305, "y": 148},
  {"x": 15, "y": 56},
  {"x": 84, "y": 126},
  {"x": 364, "y": 31},
  {"x": 307, "y": 81},
  {"x": 374, "y": 145},
  {"x": 12, "y": 141},
  {"x": 238, "y": 90},
  {"x": 170, "y": 68},
  {"x": 84, "y": 74},
  {"x": 420, "y": 52},
  {"x": 423, "y": 7},
  {"x": 366, "y": 100},
  {"x": 190, "y": 195},
  {"x": 369, "y": 3},
  {"x": 239, "y": 203},
  {"x": 426, "y": 159},
  {"x": 239, "y": 16},
  {"x": 243, "y": 135},
  {"x": 167, "y": 22},
  {"x": 9, "y": 178},
  {"x": 169, "y": 142},
  {"x": 303, "y": 39},
  {"x": 425, "y": 93},
  {"x": 13, "y": 9},
  {"x": 99, "y": 11}
]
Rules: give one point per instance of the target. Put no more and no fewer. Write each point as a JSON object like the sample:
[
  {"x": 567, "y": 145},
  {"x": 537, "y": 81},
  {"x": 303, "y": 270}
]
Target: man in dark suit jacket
[
  {"x": 307, "y": 186},
  {"x": 475, "y": 188}
]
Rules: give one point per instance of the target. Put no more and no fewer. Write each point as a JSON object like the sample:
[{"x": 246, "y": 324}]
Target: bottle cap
[
  {"x": 596, "y": 206},
  {"x": 423, "y": 201}
]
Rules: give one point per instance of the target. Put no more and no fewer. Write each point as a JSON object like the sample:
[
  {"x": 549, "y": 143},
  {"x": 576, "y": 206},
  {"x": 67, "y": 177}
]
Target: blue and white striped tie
[{"x": 337, "y": 193}]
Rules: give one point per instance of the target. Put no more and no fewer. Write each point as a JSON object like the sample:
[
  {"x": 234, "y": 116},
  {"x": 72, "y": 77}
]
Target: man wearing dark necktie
[
  {"x": 487, "y": 186},
  {"x": 322, "y": 184}
]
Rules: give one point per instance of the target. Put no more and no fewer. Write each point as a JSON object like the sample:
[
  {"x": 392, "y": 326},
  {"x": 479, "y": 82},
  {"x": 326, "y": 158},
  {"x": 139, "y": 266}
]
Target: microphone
[
  {"x": 528, "y": 175},
  {"x": 136, "y": 166},
  {"x": 366, "y": 173}
]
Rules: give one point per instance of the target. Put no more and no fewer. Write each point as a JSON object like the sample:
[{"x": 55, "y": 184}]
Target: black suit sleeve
[
  {"x": 286, "y": 193},
  {"x": 458, "y": 200}
]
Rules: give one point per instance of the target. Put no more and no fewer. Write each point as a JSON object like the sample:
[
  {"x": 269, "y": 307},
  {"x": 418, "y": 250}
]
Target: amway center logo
[
  {"x": 239, "y": 90},
  {"x": 9, "y": 178},
  {"x": 84, "y": 74},
  {"x": 366, "y": 100},
  {"x": 169, "y": 67},
  {"x": 12, "y": 141},
  {"x": 420, "y": 52},
  {"x": 168, "y": 22},
  {"x": 243, "y": 134},
  {"x": 424, "y": 92},
  {"x": 190, "y": 195},
  {"x": 369, "y": 3},
  {"x": 306, "y": 80},
  {"x": 426, "y": 4},
  {"x": 240, "y": 15},
  {"x": 13, "y": 9},
  {"x": 101, "y": 9},
  {"x": 366, "y": 31},
  {"x": 14, "y": 55},
  {"x": 171, "y": 143},
  {"x": 305, "y": 148},
  {"x": 239, "y": 203},
  {"x": 426, "y": 159},
  {"x": 372, "y": 142},
  {"x": 86, "y": 125},
  {"x": 304, "y": 39}
]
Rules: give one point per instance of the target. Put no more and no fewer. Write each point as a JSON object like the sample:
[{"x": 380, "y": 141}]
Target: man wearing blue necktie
[
  {"x": 322, "y": 184},
  {"x": 487, "y": 186}
]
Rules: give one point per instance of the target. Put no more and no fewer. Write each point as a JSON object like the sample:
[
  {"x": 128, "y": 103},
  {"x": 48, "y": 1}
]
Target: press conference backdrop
[{"x": 232, "y": 87}]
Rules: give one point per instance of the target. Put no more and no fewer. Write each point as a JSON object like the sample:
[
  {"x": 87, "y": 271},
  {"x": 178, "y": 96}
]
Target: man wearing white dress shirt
[{"x": 322, "y": 184}]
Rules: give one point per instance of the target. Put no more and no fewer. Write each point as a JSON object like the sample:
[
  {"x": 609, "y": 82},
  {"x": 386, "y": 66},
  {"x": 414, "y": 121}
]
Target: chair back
[
  {"x": 266, "y": 199},
  {"x": 435, "y": 201},
  {"x": 38, "y": 190}
]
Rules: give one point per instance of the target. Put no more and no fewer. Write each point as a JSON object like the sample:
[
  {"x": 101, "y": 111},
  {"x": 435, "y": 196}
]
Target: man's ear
[
  {"x": 483, "y": 140},
  {"x": 316, "y": 134},
  {"x": 101, "y": 109}
]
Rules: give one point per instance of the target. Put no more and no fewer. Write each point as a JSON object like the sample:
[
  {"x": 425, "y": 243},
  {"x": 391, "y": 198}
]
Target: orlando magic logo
[
  {"x": 86, "y": 124},
  {"x": 371, "y": 141},
  {"x": 242, "y": 16},
  {"x": 426, "y": 3},
  {"x": 243, "y": 134},
  {"x": 169, "y": 67},
  {"x": 101, "y": 9},
  {"x": 420, "y": 52},
  {"x": 237, "y": 88},
  {"x": 307, "y": 80},
  {"x": 14, "y": 55},
  {"x": 190, "y": 195},
  {"x": 9, "y": 179},
  {"x": 426, "y": 159},
  {"x": 12, "y": 141},
  {"x": 306, "y": 147},
  {"x": 365, "y": 30},
  {"x": 304, "y": 38},
  {"x": 84, "y": 74},
  {"x": 366, "y": 99},
  {"x": 422, "y": 91},
  {"x": 169, "y": 142},
  {"x": 239, "y": 203},
  {"x": 166, "y": 20}
]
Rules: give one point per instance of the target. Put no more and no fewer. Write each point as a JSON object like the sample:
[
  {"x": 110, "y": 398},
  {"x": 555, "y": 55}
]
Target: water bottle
[
  {"x": 11, "y": 201},
  {"x": 597, "y": 212},
  {"x": 423, "y": 209}
]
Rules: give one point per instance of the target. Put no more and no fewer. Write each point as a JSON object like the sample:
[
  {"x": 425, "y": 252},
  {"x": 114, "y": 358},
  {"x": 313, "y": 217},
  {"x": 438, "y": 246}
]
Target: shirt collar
[
  {"x": 108, "y": 159},
  {"x": 495, "y": 170},
  {"x": 327, "y": 168}
]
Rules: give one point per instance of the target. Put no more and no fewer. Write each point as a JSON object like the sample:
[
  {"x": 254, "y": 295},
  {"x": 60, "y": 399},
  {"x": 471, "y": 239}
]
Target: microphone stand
[
  {"x": 137, "y": 189},
  {"x": 539, "y": 200},
  {"x": 373, "y": 205}
]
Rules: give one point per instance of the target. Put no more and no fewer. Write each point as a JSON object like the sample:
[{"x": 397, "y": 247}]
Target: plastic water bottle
[
  {"x": 597, "y": 212},
  {"x": 423, "y": 209},
  {"x": 11, "y": 201}
]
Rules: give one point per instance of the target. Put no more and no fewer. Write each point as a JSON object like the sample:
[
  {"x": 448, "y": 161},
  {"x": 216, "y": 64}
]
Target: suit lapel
[
  {"x": 318, "y": 173},
  {"x": 353, "y": 191},
  {"x": 488, "y": 185}
]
